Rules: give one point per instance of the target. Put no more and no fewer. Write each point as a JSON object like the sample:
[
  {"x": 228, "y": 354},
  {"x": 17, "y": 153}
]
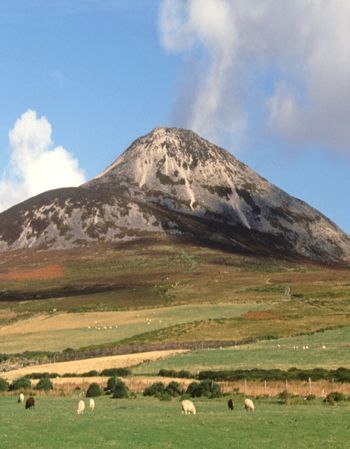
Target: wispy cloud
[
  {"x": 298, "y": 51},
  {"x": 35, "y": 164}
]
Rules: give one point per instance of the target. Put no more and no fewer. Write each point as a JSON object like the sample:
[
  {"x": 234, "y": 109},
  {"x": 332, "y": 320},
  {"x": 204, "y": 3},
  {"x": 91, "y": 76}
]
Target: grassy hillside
[{"x": 163, "y": 292}]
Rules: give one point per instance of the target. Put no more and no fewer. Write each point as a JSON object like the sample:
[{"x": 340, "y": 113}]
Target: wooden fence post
[{"x": 310, "y": 386}]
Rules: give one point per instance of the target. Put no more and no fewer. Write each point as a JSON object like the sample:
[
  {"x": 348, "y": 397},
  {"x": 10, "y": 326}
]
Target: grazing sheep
[
  {"x": 188, "y": 407},
  {"x": 230, "y": 404},
  {"x": 92, "y": 404},
  {"x": 30, "y": 402},
  {"x": 81, "y": 407},
  {"x": 249, "y": 405},
  {"x": 323, "y": 346},
  {"x": 21, "y": 398}
]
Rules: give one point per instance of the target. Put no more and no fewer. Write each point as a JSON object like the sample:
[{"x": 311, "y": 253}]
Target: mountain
[{"x": 174, "y": 182}]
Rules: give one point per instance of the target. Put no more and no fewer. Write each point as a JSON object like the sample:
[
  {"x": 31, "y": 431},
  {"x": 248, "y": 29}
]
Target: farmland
[
  {"x": 143, "y": 423},
  {"x": 265, "y": 354},
  {"x": 162, "y": 292}
]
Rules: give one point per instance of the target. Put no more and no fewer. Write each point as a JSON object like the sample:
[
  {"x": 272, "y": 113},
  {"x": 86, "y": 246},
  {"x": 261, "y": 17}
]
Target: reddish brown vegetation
[{"x": 51, "y": 271}]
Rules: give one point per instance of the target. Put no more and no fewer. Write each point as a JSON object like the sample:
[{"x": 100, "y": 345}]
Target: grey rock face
[{"x": 173, "y": 181}]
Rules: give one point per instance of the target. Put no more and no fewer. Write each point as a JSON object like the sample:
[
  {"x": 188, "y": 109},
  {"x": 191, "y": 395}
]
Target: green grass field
[
  {"x": 265, "y": 354},
  {"x": 151, "y": 424},
  {"x": 30, "y": 338}
]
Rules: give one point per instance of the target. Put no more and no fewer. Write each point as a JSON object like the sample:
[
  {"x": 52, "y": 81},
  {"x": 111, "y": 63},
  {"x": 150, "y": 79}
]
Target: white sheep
[
  {"x": 81, "y": 407},
  {"x": 249, "y": 405},
  {"x": 92, "y": 404},
  {"x": 188, "y": 407},
  {"x": 21, "y": 398}
]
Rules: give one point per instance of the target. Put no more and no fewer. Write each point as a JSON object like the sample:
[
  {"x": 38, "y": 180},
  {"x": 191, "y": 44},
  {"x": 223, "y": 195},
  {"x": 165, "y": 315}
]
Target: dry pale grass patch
[
  {"x": 98, "y": 364},
  {"x": 272, "y": 388}
]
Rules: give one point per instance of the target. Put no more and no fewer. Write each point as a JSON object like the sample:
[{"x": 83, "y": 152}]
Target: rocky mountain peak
[{"x": 175, "y": 182}]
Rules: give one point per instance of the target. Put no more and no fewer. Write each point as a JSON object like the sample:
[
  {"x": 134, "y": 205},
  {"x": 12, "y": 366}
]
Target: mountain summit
[{"x": 175, "y": 182}]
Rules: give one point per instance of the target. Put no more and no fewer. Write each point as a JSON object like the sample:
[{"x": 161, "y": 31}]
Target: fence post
[
  {"x": 265, "y": 389},
  {"x": 310, "y": 386},
  {"x": 332, "y": 384},
  {"x": 286, "y": 385},
  {"x": 245, "y": 387}
]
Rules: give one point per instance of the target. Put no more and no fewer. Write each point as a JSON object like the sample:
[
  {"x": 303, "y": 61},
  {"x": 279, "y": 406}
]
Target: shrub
[
  {"x": 44, "y": 384},
  {"x": 4, "y": 386},
  {"x": 310, "y": 397},
  {"x": 110, "y": 385},
  {"x": 23, "y": 383},
  {"x": 116, "y": 372},
  {"x": 156, "y": 389},
  {"x": 206, "y": 388},
  {"x": 183, "y": 374},
  {"x": 174, "y": 389},
  {"x": 284, "y": 397},
  {"x": 165, "y": 397},
  {"x": 93, "y": 390},
  {"x": 120, "y": 390},
  {"x": 335, "y": 396},
  {"x": 92, "y": 373}
]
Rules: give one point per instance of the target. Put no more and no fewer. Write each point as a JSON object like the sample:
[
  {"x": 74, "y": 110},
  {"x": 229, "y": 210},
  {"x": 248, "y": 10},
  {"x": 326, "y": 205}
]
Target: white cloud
[
  {"x": 234, "y": 46},
  {"x": 35, "y": 164}
]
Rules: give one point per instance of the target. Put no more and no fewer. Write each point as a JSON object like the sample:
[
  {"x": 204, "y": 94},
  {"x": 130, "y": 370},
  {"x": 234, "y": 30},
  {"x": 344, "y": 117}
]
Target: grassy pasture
[
  {"x": 148, "y": 423},
  {"x": 60, "y": 331},
  {"x": 265, "y": 354}
]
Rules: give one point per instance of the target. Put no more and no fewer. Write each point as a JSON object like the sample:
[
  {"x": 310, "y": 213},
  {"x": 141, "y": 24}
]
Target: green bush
[
  {"x": 44, "y": 384},
  {"x": 41, "y": 375},
  {"x": 123, "y": 372},
  {"x": 174, "y": 389},
  {"x": 23, "y": 383},
  {"x": 120, "y": 390},
  {"x": 157, "y": 389},
  {"x": 173, "y": 373},
  {"x": 93, "y": 390},
  {"x": 111, "y": 385},
  {"x": 92, "y": 373},
  {"x": 284, "y": 397},
  {"x": 335, "y": 396},
  {"x": 165, "y": 397},
  {"x": 310, "y": 397},
  {"x": 340, "y": 375},
  {"x": 206, "y": 388},
  {"x": 4, "y": 386}
]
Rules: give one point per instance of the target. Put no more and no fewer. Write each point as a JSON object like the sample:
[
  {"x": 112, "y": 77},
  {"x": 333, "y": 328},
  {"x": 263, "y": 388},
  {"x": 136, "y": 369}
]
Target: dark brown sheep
[
  {"x": 30, "y": 402},
  {"x": 230, "y": 404}
]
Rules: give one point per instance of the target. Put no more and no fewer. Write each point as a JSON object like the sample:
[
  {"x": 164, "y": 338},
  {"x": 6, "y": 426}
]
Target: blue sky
[{"x": 101, "y": 73}]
